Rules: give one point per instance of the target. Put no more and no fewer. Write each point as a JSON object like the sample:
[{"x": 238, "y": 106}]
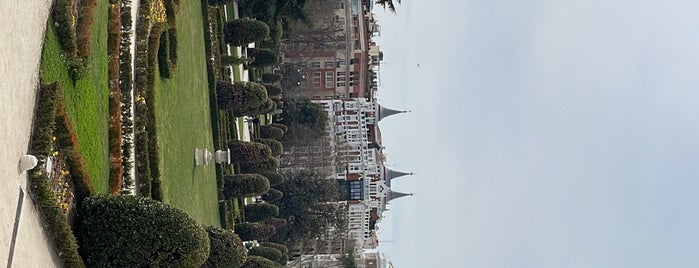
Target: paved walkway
[{"x": 22, "y": 32}]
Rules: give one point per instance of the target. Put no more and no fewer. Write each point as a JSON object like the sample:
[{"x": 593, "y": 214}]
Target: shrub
[
  {"x": 273, "y": 177},
  {"x": 273, "y": 89},
  {"x": 244, "y": 185},
  {"x": 259, "y": 262},
  {"x": 271, "y": 196},
  {"x": 243, "y": 151},
  {"x": 270, "y": 164},
  {"x": 243, "y": 98},
  {"x": 263, "y": 57},
  {"x": 164, "y": 63},
  {"x": 254, "y": 231},
  {"x": 271, "y": 132},
  {"x": 125, "y": 231},
  {"x": 275, "y": 146},
  {"x": 226, "y": 249},
  {"x": 281, "y": 126},
  {"x": 281, "y": 247},
  {"x": 245, "y": 31},
  {"x": 276, "y": 222},
  {"x": 269, "y": 253},
  {"x": 271, "y": 78},
  {"x": 260, "y": 212}
]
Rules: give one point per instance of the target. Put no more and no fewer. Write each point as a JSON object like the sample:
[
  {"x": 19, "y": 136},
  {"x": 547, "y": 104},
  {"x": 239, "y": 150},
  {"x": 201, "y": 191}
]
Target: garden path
[{"x": 23, "y": 25}]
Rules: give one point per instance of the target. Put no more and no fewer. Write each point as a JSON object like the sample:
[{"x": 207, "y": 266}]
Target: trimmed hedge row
[
  {"x": 75, "y": 33},
  {"x": 143, "y": 176},
  {"x": 44, "y": 198},
  {"x": 67, "y": 143},
  {"x": 226, "y": 249},
  {"x": 153, "y": 150},
  {"x": 172, "y": 7},
  {"x": 116, "y": 169}
]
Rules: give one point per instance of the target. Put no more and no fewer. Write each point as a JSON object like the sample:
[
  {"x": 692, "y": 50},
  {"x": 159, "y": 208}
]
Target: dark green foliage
[
  {"x": 276, "y": 222},
  {"x": 271, "y": 78},
  {"x": 263, "y": 57},
  {"x": 282, "y": 248},
  {"x": 164, "y": 64},
  {"x": 273, "y": 177},
  {"x": 271, "y": 164},
  {"x": 220, "y": 2},
  {"x": 243, "y": 98},
  {"x": 273, "y": 89},
  {"x": 44, "y": 198},
  {"x": 65, "y": 30},
  {"x": 244, "y": 185},
  {"x": 254, "y": 231},
  {"x": 259, "y": 262},
  {"x": 248, "y": 152},
  {"x": 245, "y": 31},
  {"x": 276, "y": 147},
  {"x": 271, "y": 132},
  {"x": 282, "y": 126},
  {"x": 126, "y": 231},
  {"x": 272, "y": 195},
  {"x": 306, "y": 121},
  {"x": 260, "y": 212},
  {"x": 125, "y": 85},
  {"x": 226, "y": 249},
  {"x": 269, "y": 253}
]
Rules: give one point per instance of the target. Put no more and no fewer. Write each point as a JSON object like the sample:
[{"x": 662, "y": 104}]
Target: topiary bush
[
  {"x": 276, "y": 147},
  {"x": 276, "y": 222},
  {"x": 263, "y": 57},
  {"x": 273, "y": 89},
  {"x": 281, "y": 126},
  {"x": 226, "y": 249},
  {"x": 269, "y": 253},
  {"x": 260, "y": 212},
  {"x": 254, "y": 231},
  {"x": 245, "y": 31},
  {"x": 273, "y": 177},
  {"x": 271, "y": 78},
  {"x": 259, "y": 262},
  {"x": 126, "y": 231},
  {"x": 270, "y": 164},
  {"x": 281, "y": 247},
  {"x": 243, "y": 151},
  {"x": 244, "y": 185},
  {"x": 243, "y": 98},
  {"x": 271, "y": 132},
  {"x": 272, "y": 195}
]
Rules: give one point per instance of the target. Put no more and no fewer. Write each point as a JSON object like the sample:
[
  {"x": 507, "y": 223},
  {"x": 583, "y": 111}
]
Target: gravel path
[{"x": 22, "y": 33}]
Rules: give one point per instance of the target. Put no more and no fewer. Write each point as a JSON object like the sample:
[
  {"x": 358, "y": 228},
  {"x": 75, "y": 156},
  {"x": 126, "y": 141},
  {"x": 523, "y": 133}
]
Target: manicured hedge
[
  {"x": 126, "y": 231},
  {"x": 260, "y": 212},
  {"x": 273, "y": 89},
  {"x": 273, "y": 177},
  {"x": 116, "y": 169},
  {"x": 243, "y": 98},
  {"x": 245, "y": 31},
  {"x": 126, "y": 88},
  {"x": 271, "y": 132},
  {"x": 269, "y": 253},
  {"x": 254, "y": 231},
  {"x": 226, "y": 249},
  {"x": 245, "y": 152},
  {"x": 281, "y": 126},
  {"x": 271, "y": 78},
  {"x": 275, "y": 146},
  {"x": 66, "y": 141},
  {"x": 244, "y": 185},
  {"x": 259, "y": 262},
  {"x": 270, "y": 164},
  {"x": 272, "y": 195},
  {"x": 39, "y": 189}
]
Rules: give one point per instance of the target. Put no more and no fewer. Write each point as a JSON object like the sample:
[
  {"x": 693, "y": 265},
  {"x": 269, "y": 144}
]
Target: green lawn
[
  {"x": 86, "y": 100},
  {"x": 184, "y": 123}
]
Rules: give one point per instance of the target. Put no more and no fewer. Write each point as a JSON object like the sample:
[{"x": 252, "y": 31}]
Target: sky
[{"x": 543, "y": 133}]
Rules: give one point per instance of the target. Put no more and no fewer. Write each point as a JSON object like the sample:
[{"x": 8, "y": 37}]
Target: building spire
[
  {"x": 385, "y": 112},
  {"x": 395, "y": 195},
  {"x": 392, "y": 174}
]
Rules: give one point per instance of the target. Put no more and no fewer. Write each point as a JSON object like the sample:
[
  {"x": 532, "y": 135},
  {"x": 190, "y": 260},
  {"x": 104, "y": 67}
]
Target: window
[
  {"x": 354, "y": 61},
  {"x": 315, "y": 64},
  {"x": 329, "y": 79},
  {"x": 329, "y": 64},
  {"x": 341, "y": 62},
  {"x": 340, "y": 73},
  {"x": 316, "y": 74}
]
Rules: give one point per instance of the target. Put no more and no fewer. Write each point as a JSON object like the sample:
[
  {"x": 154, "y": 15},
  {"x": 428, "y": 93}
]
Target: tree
[
  {"x": 248, "y": 231},
  {"x": 271, "y": 78},
  {"x": 126, "y": 231},
  {"x": 271, "y": 132},
  {"x": 249, "y": 152},
  {"x": 308, "y": 205},
  {"x": 273, "y": 177},
  {"x": 259, "y": 262},
  {"x": 242, "y": 98},
  {"x": 306, "y": 121},
  {"x": 244, "y": 31},
  {"x": 273, "y": 89},
  {"x": 244, "y": 185},
  {"x": 227, "y": 250},
  {"x": 269, "y": 253},
  {"x": 263, "y": 57},
  {"x": 387, "y": 4},
  {"x": 276, "y": 147},
  {"x": 272, "y": 195},
  {"x": 260, "y": 212}
]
